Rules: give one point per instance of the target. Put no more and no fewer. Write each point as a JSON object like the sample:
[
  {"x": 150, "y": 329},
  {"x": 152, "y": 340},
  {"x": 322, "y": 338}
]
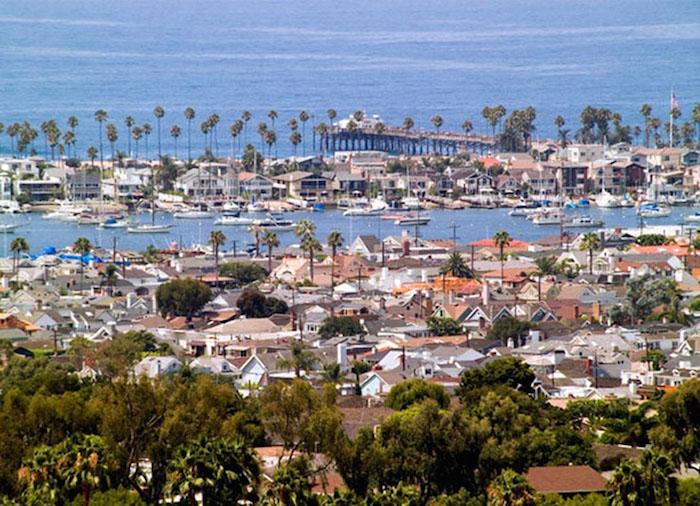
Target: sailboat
[{"x": 152, "y": 228}]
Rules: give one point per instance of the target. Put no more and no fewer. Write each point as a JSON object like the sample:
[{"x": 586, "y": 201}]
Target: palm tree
[
  {"x": 189, "y": 115},
  {"x": 159, "y": 112},
  {"x": 559, "y": 121},
  {"x": 590, "y": 243},
  {"x": 136, "y": 134},
  {"x": 627, "y": 485},
  {"x": 175, "y": 133},
  {"x": 129, "y": 122},
  {"x": 92, "y": 155},
  {"x": 303, "y": 117},
  {"x": 245, "y": 117},
  {"x": 112, "y": 137},
  {"x": 262, "y": 131},
  {"x": 467, "y": 126},
  {"x": 256, "y": 230},
  {"x": 213, "y": 123},
  {"x": 295, "y": 138},
  {"x": 408, "y": 123},
  {"x": 510, "y": 489},
  {"x": 235, "y": 130},
  {"x": 271, "y": 241},
  {"x": 657, "y": 475},
  {"x": 334, "y": 241},
  {"x": 300, "y": 360},
  {"x": 82, "y": 247},
  {"x": 437, "y": 122},
  {"x": 110, "y": 277},
  {"x": 332, "y": 114},
  {"x": 273, "y": 116},
  {"x": 457, "y": 266},
  {"x": 270, "y": 140},
  {"x": 502, "y": 240},
  {"x": 216, "y": 239},
  {"x": 18, "y": 246},
  {"x": 205, "y": 127},
  {"x": 322, "y": 130},
  {"x": 358, "y": 116},
  {"x": 306, "y": 230},
  {"x": 546, "y": 266},
  {"x": 101, "y": 117},
  {"x": 147, "y": 129},
  {"x": 69, "y": 140},
  {"x": 695, "y": 117}
]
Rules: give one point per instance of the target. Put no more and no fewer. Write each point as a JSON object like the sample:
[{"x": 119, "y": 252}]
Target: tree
[
  {"x": 340, "y": 326},
  {"x": 467, "y": 127},
  {"x": 216, "y": 239},
  {"x": 189, "y": 116},
  {"x": 510, "y": 489},
  {"x": 110, "y": 277},
  {"x": 443, "y": 326},
  {"x": 414, "y": 391},
  {"x": 590, "y": 243},
  {"x": 509, "y": 371},
  {"x": 159, "y": 112},
  {"x": 651, "y": 240},
  {"x": 182, "y": 297},
  {"x": 219, "y": 471},
  {"x": 242, "y": 273},
  {"x": 408, "y": 123},
  {"x": 457, "y": 266},
  {"x": 175, "y": 133},
  {"x": 502, "y": 240},
  {"x": 82, "y": 246},
  {"x": 271, "y": 240},
  {"x": 295, "y": 138},
  {"x": 300, "y": 359},
  {"x": 254, "y": 304},
  {"x": 306, "y": 230},
  {"x": 507, "y": 328},
  {"x": 358, "y": 368},
  {"x": 129, "y": 123},
  {"x": 437, "y": 122},
  {"x": 18, "y": 246},
  {"x": 112, "y": 137},
  {"x": 101, "y": 117},
  {"x": 92, "y": 155},
  {"x": 334, "y": 241},
  {"x": 546, "y": 266}
]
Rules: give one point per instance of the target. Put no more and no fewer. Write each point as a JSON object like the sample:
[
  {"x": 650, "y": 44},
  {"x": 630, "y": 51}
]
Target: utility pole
[
  {"x": 114, "y": 249},
  {"x": 454, "y": 236}
]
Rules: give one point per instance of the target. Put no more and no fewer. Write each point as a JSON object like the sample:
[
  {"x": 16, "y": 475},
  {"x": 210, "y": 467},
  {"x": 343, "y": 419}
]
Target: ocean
[{"x": 394, "y": 58}]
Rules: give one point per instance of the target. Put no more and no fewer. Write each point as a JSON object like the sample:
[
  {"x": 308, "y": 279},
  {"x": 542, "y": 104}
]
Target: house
[
  {"x": 19, "y": 167},
  {"x": 257, "y": 186},
  {"x": 214, "y": 365},
  {"x": 584, "y": 153},
  {"x": 157, "y": 366},
  {"x": 346, "y": 184},
  {"x": 377, "y": 383},
  {"x": 475, "y": 181},
  {"x": 571, "y": 177},
  {"x": 40, "y": 190},
  {"x": 565, "y": 480},
  {"x": 303, "y": 185},
  {"x": 200, "y": 183},
  {"x": 540, "y": 181},
  {"x": 84, "y": 184}
]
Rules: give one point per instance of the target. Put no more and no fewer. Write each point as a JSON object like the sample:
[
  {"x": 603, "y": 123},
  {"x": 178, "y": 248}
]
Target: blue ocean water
[{"x": 395, "y": 58}]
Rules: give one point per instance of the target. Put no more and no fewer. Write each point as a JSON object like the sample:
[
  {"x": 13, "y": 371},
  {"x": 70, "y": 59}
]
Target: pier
[{"x": 400, "y": 141}]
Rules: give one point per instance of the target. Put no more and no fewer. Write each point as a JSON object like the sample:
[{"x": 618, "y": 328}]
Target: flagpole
[{"x": 670, "y": 130}]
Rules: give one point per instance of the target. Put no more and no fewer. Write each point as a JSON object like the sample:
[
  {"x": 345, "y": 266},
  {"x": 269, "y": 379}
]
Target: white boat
[
  {"x": 653, "y": 210},
  {"x": 582, "y": 222},
  {"x": 605, "y": 200},
  {"x": 363, "y": 211},
  {"x": 234, "y": 221},
  {"x": 88, "y": 219},
  {"x": 549, "y": 217},
  {"x": 10, "y": 207},
  {"x": 695, "y": 217},
  {"x": 407, "y": 221},
  {"x": 8, "y": 227},
  {"x": 277, "y": 225},
  {"x": 254, "y": 207},
  {"x": 194, "y": 214},
  {"x": 231, "y": 207},
  {"x": 114, "y": 223},
  {"x": 521, "y": 210},
  {"x": 144, "y": 228}
]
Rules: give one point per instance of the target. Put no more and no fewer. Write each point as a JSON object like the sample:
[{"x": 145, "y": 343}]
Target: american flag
[{"x": 674, "y": 102}]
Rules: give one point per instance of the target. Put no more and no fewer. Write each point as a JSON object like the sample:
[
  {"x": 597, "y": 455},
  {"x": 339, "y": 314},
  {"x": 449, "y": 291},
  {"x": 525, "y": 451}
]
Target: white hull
[
  {"x": 148, "y": 229},
  {"x": 234, "y": 221},
  {"x": 192, "y": 215},
  {"x": 10, "y": 227}
]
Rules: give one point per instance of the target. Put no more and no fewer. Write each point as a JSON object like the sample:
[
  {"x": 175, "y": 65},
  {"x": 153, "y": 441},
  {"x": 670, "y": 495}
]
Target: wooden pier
[{"x": 399, "y": 141}]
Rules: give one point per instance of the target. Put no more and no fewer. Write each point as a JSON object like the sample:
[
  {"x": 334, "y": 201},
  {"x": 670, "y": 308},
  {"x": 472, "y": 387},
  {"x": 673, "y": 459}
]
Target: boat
[
  {"x": 695, "y": 217},
  {"x": 277, "y": 225},
  {"x": 254, "y": 207},
  {"x": 193, "y": 214},
  {"x": 319, "y": 207},
  {"x": 234, "y": 221},
  {"x": 582, "y": 222},
  {"x": 392, "y": 216},
  {"x": 10, "y": 207},
  {"x": 231, "y": 207},
  {"x": 550, "y": 217},
  {"x": 114, "y": 223},
  {"x": 412, "y": 220},
  {"x": 145, "y": 228},
  {"x": 606, "y": 200},
  {"x": 653, "y": 210},
  {"x": 375, "y": 208},
  {"x": 522, "y": 210},
  {"x": 8, "y": 227},
  {"x": 410, "y": 203}
]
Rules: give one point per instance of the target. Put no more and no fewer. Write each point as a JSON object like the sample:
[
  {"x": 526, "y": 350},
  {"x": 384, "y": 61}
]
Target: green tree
[
  {"x": 306, "y": 230},
  {"x": 300, "y": 359},
  {"x": 254, "y": 304},
  {"x": 510, "y": 489},
  {"x": 334, "y": 241},
  {"x": 216, "y": 239},
  {"x": 502, "y": 240},
  {"x": 507, "y": 328},
  {"x": 414, "y": 391},
  {"x": 509, "y": 371},
  {"x": 590, "y": 243},
  {"x": 159, "y": 113},
  {"x": 175, "y": 132},
  {"x": 270, "y": 240},
  {"x": 82, "y": 246},
  {"x": 446, "y": 326},
  {"x": 189, "y": 116},
  {"x": 340, "y": 326},
  {"x": 182, "y": 297},
  {"x": 219, "y": 471},
  {"x": 546, "y": 266},
  {"x": 18, "y": 246},
  {"x": 243, "y": 273},
  {"x": 101, "y": 117},
  {"x": 457, "y": 266}
]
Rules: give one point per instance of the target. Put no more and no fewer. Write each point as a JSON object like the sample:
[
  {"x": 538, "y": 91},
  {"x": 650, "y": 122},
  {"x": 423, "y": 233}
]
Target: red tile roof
[{"x": 565, "y": 479}]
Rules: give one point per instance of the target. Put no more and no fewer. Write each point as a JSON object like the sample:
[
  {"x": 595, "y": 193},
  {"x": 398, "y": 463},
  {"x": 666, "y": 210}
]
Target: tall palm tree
[
  {"x": 502, "y": 240},
  {"x": 437, "y": 122},
  {"x": 110, "y": 277},
  {"x": 334, "y": 241},
  {"x": 467, "y": 127},
  {"x": 305, "y": 230},
  {"x": 245, "y": 117},
  {"x": 205, "y": 127},
  {"x": 136, "y": 134},
  {"x": 273, "y": 116},
  {"x": 295, "y": 138},
  {"x": 92, "y": 155},
  {"x": 213, "y": 123},
  {"x": 18, "y": 246},
  {"x": 175, "y": 133},
  {"x": 2, "y": 130},
  {"x": 322, "y": 130},
  {"x": 216, "y": 239},
  {"x": 256, "y": 230},
  {"x": 159, "y": 112},
  {"x": 301, "y": 359},
  {"x": 147, "y": 129},
  {"x": 69, "y": 141},
  {"x": 271, "y": 240},
  {"x": 112, "y": 137},
  {"x": 546, "y": 266},
  {"x": 82, "y": 246},
  {"x": 627, "y": 484},
  {"x": 657, "y": 474},
  {"x": 303, "y": 117},
  {"x": 358, "y": 116},
  {"x": 695, "y": 116},
  {"x": 590, "y": 243},
  {"x": 408, "y": 123},
  {"x": 129, "y": 123},
  {"x": 457, "y": 266},
  {"x": 101, "y": 117},
  {"x": 235, "y": 130},
  {"x": 262, "y": 131},
  {"x": 271, "y": 140},
  {"x": 189, "y": 116},
  {"x": 332, "y": 114}
]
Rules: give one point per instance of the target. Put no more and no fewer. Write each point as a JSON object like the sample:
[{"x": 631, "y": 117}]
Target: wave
[{"x": 63, "y": 22}]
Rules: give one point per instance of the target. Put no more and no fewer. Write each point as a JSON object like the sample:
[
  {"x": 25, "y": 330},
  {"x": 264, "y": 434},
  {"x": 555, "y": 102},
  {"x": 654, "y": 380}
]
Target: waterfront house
[
  {"x": 200, "y": 183},
  {"x": 19, "y": 167},
  {"x": 39, "y": 190},
  {"x": 303, "y": 185},
  {"x": 572, "y": 177},
  {"x": 583, "y": 153},
  {"x": 346, "y": 184},
  {"x": 255, "y": 186},
  {"x": 84, "y": 184},
  {"x": 541, "y": 181}
]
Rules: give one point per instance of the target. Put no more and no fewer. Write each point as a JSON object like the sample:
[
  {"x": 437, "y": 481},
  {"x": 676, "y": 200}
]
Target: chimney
[
  {"x": 342, "y": 356},
  {"x": 510, "y": 344},
  {"x": 451, "y": 295},
  {"x": 158, "y": 367},
  {"x": 485, "y": 293},
  {"x": 406, "y": 244},
  {"x": 130, "y": 299},
  {"x": 535, "y": 336}
]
